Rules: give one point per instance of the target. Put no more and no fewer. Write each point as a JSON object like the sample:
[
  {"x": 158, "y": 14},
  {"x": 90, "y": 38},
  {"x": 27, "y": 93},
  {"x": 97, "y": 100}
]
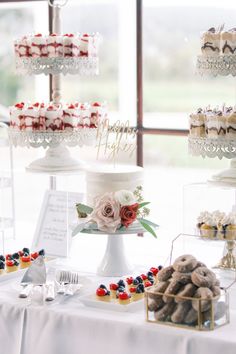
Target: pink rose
[{"x": 106, "y": 213}]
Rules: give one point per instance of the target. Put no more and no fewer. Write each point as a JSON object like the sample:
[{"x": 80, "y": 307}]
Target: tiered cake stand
[
  {"x": 219, "y": 147},
  {"x": 57, "y": 158}
]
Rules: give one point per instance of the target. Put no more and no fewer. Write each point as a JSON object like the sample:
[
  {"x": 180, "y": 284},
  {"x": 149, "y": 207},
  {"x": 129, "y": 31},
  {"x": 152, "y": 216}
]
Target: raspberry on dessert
[
  {"x": 147, "y": 284},
  {"x": 53, "y": 35},
  {"x": 34, "y": 255},
  {"x": 8, "y": 257},
  {"x": 10, "y": 263},
  {"x": 37, "y": 104},
  {"x": 124, "y": 296},
  {"x": 19, "y": 105},
  {"x": 71, "y": 106},
  {"x": 113, "y": 286},
  {"x": 154, "y": 270},
  {"x": 21, "y": 253},
  {"x": 129, "y": 280},
  {"x": 38, "y": 35},
  {"x": 132, "y": 289},
  {"x": 26, "y": 258},
  {"x": 143, "y": 276},
  {"x": 101, "y": 292},
  {"x": 96, "y": 104}
]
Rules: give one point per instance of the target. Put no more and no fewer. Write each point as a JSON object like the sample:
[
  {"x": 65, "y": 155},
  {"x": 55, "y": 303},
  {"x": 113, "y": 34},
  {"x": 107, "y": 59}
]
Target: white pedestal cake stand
[
  {"x": 57, "y": 157},
  {"x": 115, "y": 262}
]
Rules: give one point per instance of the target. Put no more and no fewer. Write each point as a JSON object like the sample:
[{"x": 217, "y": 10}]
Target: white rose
[{"x": 125, "y": 197}]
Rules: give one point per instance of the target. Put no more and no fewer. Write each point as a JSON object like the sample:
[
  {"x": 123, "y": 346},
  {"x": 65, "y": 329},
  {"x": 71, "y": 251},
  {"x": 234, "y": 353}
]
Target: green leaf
[
  {"x": 149, "y": 222},
  {"x": 147, "y": 227},
  {"x": 84, "y": 208},
  {"x": 141, "y": 205}
]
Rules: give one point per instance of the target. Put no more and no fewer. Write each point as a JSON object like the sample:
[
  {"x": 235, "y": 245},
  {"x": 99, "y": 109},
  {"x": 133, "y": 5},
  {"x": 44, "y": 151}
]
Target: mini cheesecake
[
  {"x": 12, "y": 265},
  {"x": 103, "y": 294},
  {"x": 124, "y": 298}
]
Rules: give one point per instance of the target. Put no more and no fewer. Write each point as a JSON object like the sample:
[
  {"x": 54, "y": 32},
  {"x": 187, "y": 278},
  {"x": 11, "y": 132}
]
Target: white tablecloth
[{"x": 68, "y": 327}]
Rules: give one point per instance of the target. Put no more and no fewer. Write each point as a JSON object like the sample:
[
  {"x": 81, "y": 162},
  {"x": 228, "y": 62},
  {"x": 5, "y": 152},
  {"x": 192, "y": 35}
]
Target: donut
[
  {"x": 185, "y": 263},
  {"x": 205, "y": 294},
  {"x": 200, "y": 264},
  {"x": 216, "y": 290},
  {"x": 191, "y": 317},
  {"x": 172, "y": 289},
  {"x": 203, "y": 277},
  {"x": 183, "y": 278},
  {"x": 180, "y": 312},
  {"x": 154, "y": 305},
  {"x": 165, "y": 273},
  {"x": 187, "y": 291},
  {"x": 164, "y": 312},
  {"x": 160, "y": 287}
]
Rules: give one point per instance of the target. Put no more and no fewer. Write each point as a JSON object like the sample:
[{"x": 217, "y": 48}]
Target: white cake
[{"x": 111, "y": 179}]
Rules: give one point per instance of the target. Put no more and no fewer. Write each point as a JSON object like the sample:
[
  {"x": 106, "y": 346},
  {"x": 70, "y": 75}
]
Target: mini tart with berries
[
  {"x": 113, "y": 289},
  {"x": 25, "y": 261},
  {"x": 132, "y": 291},
  {"x": 139, "y": 294},
  {"x": 129, "y": 281},
  {"x": 12, "y": 265},
  {"x": 103, "y": 294},
  {"x": 2, "y": 266},
  {"x": 147, "y": 284},
  {"x": 124, "y": 298}
]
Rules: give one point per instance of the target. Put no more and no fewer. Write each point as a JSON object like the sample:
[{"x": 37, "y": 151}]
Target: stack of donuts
[{"x": 187, "y": 277}]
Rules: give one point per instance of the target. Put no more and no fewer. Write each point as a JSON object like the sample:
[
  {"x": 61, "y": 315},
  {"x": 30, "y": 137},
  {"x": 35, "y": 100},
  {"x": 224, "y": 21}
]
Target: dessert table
[{"x": 67, "y": 326}]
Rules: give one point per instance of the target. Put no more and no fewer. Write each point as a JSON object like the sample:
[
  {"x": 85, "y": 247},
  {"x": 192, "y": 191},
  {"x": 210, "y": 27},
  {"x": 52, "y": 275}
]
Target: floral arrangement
[{"x": 115, "y": 211}]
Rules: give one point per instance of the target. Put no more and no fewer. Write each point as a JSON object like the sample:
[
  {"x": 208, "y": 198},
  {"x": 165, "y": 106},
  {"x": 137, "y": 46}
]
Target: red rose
[{"x": 128, "y": 214}]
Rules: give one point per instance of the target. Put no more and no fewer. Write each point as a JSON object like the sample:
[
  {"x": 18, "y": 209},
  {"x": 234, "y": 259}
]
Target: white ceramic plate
[{"x": 91, "y": 301}]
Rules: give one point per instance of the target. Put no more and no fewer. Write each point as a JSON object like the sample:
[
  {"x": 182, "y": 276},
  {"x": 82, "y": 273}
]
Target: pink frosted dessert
[
  {"x": 85, "y": 43},
  {"x": 31, "y": 114},
  {"x": 97, "y": 113},
  {"x": 39, "y": 46},
  {"x": 24, "y": 47},
  {"x": 17, "y": 119},
  {"x": 71, "y": 117},
  {"x": 68, "y": 40},
  {"x": 55, "y": 45},
  {"x": 85, "y": 115},
  {"x": 54, "y": 118}
]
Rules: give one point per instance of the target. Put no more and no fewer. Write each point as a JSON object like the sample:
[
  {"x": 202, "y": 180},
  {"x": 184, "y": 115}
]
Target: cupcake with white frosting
[
  {"x": 210, "y": 42},
  {"x": 207, "y": 225},
  {"x": 227, "y": 227}
]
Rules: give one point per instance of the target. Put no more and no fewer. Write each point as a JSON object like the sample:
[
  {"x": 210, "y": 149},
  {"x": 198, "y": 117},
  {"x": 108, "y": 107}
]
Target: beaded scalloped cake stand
[
  {"x": 220, "y": 147},
  {"x": 57, "y": 157},
  {"x": 216, "y": 65}
]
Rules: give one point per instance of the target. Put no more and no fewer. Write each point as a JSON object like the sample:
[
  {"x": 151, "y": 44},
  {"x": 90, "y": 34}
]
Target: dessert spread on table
[
  {"x": 68, "y": 45},
  {"x": 213, "y": 123},
  {"x": 18, "y": 260},
  {"x": 217, "y": 225},
  {"x": 218, "y": 41},
  {"x": 131, "y": 289},
  {"x": 175, "y": 297},
  {"x": 56, "y": 117}
]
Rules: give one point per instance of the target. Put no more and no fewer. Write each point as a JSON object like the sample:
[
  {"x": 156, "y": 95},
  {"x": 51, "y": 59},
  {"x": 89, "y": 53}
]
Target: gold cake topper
[{"x": 115, "y": 138}]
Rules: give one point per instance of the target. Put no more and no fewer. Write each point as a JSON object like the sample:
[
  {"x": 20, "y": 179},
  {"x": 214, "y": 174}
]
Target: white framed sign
[{"x": 57, "y": 218}]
